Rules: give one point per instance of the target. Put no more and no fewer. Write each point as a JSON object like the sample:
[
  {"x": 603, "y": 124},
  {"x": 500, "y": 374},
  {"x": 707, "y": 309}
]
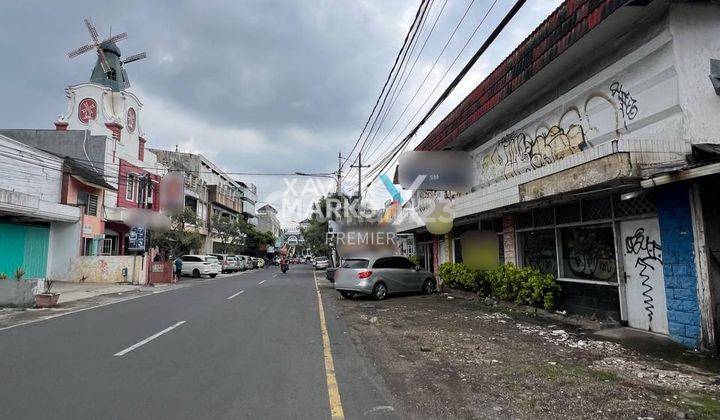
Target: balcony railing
[{"x": 216, "y": 195}]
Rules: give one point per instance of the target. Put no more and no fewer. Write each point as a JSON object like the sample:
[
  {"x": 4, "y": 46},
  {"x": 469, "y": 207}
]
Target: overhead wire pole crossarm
[{"x": 498, "y": 29}]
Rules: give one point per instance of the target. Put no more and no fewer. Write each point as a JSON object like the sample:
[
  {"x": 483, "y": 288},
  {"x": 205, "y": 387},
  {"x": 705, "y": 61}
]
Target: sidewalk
[
  {"x": 454, "y": 356},
  {"x": 70, "y": 292}
]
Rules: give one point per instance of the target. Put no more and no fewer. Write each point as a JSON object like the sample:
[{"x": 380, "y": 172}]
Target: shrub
[
  {"x": 527, "y": 286},
  {"x": 459, "y": 276},
  {"x": 3, "y": 276},
  {"x": 19, "y": 273}
]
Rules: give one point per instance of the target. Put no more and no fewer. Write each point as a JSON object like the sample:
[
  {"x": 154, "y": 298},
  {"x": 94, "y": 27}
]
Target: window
[
  {"x": 404, "y": 263},
  {"x": 539, "y": 250},
  {"x": 588, "y": 252},
  {"x": 89, "y": 202},
  {"x": 130, "y": 187},
  {"x": 382, "y": 263},
  {"x": 107, "y": 246},
  {"x": 350, "y": 263},
  {"x": 457, "y": 250},
  {"x": 87, "y": 246}
]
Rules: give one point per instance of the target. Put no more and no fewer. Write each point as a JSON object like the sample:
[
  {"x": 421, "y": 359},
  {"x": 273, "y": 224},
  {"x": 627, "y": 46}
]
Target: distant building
[
  {"x": 268, "y": 221},
  {"x": 209, "y": 192}
]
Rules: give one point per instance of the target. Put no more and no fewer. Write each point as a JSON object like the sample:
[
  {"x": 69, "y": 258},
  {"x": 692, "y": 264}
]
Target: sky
[{"x": 262, "y": 86}]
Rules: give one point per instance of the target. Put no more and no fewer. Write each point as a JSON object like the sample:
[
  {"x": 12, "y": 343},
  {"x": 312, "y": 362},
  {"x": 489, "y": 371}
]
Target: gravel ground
[{"x": 450, "y": 356}]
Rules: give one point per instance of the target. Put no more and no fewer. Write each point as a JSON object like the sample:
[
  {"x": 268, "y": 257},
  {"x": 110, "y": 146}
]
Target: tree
[
  {"x": 316, "y": 233},
  {"x": 181, "y": 238},
  {"x": 228, "y": 231}
]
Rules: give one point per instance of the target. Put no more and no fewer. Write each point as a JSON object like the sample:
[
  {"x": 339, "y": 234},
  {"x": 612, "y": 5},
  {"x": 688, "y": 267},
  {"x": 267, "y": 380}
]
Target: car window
[
  {"x": 405, "y": 263},
  {"x": 355, "y": 263},
  {"x": 382, "y": 263},
  {"x": 211, "y": 259}
]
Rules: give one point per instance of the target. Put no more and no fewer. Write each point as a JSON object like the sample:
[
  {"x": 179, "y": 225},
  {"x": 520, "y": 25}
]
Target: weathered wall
[
  {"x": 106, "y": 269},
  {"x": 676, "y": 233},
  {"x": 65, "y": 243},
  {"x": 17, "y": 294}
]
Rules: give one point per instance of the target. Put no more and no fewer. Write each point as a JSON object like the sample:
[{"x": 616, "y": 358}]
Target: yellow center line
[{"x": 336, "y": 410}]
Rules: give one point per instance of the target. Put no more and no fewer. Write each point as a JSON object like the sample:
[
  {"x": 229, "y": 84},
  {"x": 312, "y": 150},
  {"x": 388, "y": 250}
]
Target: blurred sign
[
  {"x": 480, "y": 250},
  {"x": 445, "y": 170},
  {"x": 172, "y": 192},
  {"x": 137, "y": 239}
]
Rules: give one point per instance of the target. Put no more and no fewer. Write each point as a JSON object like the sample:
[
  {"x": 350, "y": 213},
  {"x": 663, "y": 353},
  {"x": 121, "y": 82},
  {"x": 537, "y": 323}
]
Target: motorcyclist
[{"x": 284, "y": 264}]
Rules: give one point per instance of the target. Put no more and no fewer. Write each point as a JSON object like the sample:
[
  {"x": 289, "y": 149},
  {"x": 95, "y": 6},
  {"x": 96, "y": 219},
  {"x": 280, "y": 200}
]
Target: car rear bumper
[{"x": 361, "y": 286}]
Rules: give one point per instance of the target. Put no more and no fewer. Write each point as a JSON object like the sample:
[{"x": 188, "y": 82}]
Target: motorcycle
[{"x": 284, "y": 267}]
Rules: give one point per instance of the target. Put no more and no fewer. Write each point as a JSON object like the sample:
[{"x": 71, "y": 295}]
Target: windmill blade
[
  {"x": 103, "y": 61},
  {"x": 92, "y": 30},
  {"x": 126, "y": 81},
  {"x": 116, "y": 38},
  {"x": 81, "y": 50},
  {"x": 135, "y": 57}
]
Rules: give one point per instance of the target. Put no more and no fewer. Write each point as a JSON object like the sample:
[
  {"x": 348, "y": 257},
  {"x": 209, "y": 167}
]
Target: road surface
[{"x": 244, "y": 346}]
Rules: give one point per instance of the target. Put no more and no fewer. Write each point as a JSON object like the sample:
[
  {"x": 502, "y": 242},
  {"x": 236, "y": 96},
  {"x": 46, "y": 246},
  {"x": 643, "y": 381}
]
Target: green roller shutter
[{"x": 23, "y": 246}]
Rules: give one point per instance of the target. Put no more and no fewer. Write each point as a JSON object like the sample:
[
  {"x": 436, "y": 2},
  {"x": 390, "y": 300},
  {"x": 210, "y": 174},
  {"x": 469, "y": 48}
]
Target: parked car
[
  {"x": 228, "y": 263},
  {"x": 380, "y": 276},
  {"x": 321, "y": 263},
  {"x": 241, "y": 263},
  {"x": 200, "y": 265}
]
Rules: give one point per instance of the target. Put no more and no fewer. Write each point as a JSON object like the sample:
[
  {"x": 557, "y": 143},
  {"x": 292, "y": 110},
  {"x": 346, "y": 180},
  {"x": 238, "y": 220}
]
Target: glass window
[
  {"x": 538, "y": 250},
  {"x": 588, "y": 253},
  {"x": 352, "y": 263},
  {"x": 457, "y": 250},
  {"x": 382, "y": 263},
  {"x": 130, "y": 187}
]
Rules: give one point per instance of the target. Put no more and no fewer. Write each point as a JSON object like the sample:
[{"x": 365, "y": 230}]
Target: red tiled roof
[{"x": 563, "y": 28}]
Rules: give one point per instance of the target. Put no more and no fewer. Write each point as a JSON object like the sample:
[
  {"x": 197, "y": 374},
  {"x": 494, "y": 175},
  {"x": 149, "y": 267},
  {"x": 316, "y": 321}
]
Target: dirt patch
[{"x": 455, "y": 357}]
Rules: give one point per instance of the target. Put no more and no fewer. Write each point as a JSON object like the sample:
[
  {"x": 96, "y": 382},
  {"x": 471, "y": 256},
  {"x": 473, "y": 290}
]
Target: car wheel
[
  {"x": 212, "y": 276},
  {"x": 379, "y": 291},
  {"x": 428, "y": 286},
  {"x": 196, "y": 273},
  {"x": 346, "y": 294}
]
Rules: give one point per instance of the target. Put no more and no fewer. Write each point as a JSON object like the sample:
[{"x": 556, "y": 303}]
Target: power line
[
  {"x": 516, "y": 7},
  {"x": 392, "y": 70}
]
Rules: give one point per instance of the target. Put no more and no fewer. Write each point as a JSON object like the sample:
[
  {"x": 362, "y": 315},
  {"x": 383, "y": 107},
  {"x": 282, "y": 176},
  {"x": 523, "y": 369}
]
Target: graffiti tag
[
  {"x": 628, "y": 104},
  {"x": 649, "y": 257}
]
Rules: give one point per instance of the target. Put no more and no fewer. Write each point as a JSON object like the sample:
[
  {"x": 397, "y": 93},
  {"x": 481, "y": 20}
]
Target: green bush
[
  {"x": 458, "y": 276},
  {"x": 526, "y": 286}
]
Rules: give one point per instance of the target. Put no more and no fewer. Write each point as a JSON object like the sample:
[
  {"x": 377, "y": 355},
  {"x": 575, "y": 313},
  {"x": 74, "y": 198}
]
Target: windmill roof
[{"x": 110, "y": 47}]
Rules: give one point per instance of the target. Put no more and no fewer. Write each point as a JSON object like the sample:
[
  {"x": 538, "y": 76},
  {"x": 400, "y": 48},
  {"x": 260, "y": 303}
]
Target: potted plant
[{"x": 47, "y": 299}]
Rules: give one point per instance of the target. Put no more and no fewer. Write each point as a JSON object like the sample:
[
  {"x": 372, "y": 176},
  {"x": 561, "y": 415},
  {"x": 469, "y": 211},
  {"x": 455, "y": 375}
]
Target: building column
[
  {"x": 678, "y": 259},
  {"x": 509, "y": 253}
]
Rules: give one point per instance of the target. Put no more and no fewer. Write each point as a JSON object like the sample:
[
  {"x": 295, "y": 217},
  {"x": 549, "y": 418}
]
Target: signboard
[{"x": 137, "y": 239}]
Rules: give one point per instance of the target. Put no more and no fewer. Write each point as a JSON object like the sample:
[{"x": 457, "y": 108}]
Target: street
[{"x": 249, "y": 346}]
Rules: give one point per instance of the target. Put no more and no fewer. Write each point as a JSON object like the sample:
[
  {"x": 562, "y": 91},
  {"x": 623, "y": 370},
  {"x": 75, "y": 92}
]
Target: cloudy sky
[{"x": 256, "y": 86}]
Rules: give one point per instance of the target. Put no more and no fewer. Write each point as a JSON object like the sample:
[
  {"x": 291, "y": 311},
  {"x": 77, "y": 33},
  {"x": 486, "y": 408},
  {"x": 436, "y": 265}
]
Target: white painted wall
[
  {"x": 65, "y": 244},
  {"x": 30, "y": 171}
]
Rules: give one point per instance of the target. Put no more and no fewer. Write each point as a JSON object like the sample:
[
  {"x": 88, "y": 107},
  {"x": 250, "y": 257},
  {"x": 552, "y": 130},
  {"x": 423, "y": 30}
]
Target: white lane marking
[
  {"x": 274, "y": 275},
  {"x": 236, "y": 294},
  {"x": 262, "y": 282},
  {"x": 149, "y": 339}
]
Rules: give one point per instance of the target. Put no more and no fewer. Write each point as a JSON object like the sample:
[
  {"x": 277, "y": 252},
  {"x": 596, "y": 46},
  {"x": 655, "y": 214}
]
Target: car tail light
[{"x": 364, "y": 274}]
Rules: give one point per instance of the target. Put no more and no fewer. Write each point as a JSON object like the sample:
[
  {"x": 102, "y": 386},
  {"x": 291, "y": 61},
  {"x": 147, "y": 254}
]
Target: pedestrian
[{"x": 178, "y": 270}]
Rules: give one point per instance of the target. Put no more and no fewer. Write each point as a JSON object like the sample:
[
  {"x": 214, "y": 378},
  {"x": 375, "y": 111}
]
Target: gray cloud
[{"x": 262, "y": 85}]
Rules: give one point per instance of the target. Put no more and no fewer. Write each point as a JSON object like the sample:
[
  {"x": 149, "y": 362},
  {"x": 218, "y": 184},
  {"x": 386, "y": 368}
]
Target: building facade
[
  {"x": 568, "y": 137},
  {"x": 210, "y": 192},
  {"x": 268, "y": 220}
]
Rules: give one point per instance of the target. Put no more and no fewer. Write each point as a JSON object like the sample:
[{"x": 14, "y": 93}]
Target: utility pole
[
  {"x": 359, "y": 167},
  {"x": 339, "y": 174}
]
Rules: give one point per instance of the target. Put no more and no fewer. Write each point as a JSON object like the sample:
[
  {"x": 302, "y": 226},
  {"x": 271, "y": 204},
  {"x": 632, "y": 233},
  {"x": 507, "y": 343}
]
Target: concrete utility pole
[
  {"x": 359, "y": 166},
  {"x": 339, "y": 174}
]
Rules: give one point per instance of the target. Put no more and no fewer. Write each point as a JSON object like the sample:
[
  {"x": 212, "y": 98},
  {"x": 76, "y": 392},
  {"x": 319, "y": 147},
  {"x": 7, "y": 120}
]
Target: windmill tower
[
  {"x": 103, "y": 105},
  {"x": 109, "y": 69}
]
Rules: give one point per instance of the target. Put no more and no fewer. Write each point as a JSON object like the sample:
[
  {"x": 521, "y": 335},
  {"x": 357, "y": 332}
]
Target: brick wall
[{"x": 676, "y": 236}]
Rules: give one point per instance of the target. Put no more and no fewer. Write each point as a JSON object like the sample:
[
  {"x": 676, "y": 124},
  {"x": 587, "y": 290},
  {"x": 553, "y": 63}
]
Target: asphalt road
[{"x": 245, "y": 346}]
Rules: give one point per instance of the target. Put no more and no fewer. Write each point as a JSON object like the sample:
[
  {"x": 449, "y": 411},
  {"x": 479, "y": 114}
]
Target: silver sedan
[{"x": 378, "y": 276}]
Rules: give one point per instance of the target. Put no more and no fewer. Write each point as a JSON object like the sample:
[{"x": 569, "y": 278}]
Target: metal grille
[
  {"x": 523, "y": 220},
  {"x": 597, "y": 209},
  {"x": 544, "y": 216},
  {"x": 568, "y": 213},
  {"x": 644, "y": 204}
]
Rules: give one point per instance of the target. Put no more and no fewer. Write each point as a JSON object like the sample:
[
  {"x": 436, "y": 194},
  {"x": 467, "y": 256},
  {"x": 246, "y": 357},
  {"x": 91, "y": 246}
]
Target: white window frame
[{"x": 130, "y": 187}]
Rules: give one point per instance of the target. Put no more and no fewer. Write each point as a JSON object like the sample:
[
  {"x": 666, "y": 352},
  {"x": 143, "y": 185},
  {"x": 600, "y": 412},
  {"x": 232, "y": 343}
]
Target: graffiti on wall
[
  {"x": 648, "y": 255},
  {"x": 627, "y": 104},
  {"x": 517, "y": 153},
  {"x": 600, "y": 113}
]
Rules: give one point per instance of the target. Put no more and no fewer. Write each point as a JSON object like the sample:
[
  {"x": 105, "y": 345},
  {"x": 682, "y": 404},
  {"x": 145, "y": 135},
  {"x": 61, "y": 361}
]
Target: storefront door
[{"x": 645, "y": 283}]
